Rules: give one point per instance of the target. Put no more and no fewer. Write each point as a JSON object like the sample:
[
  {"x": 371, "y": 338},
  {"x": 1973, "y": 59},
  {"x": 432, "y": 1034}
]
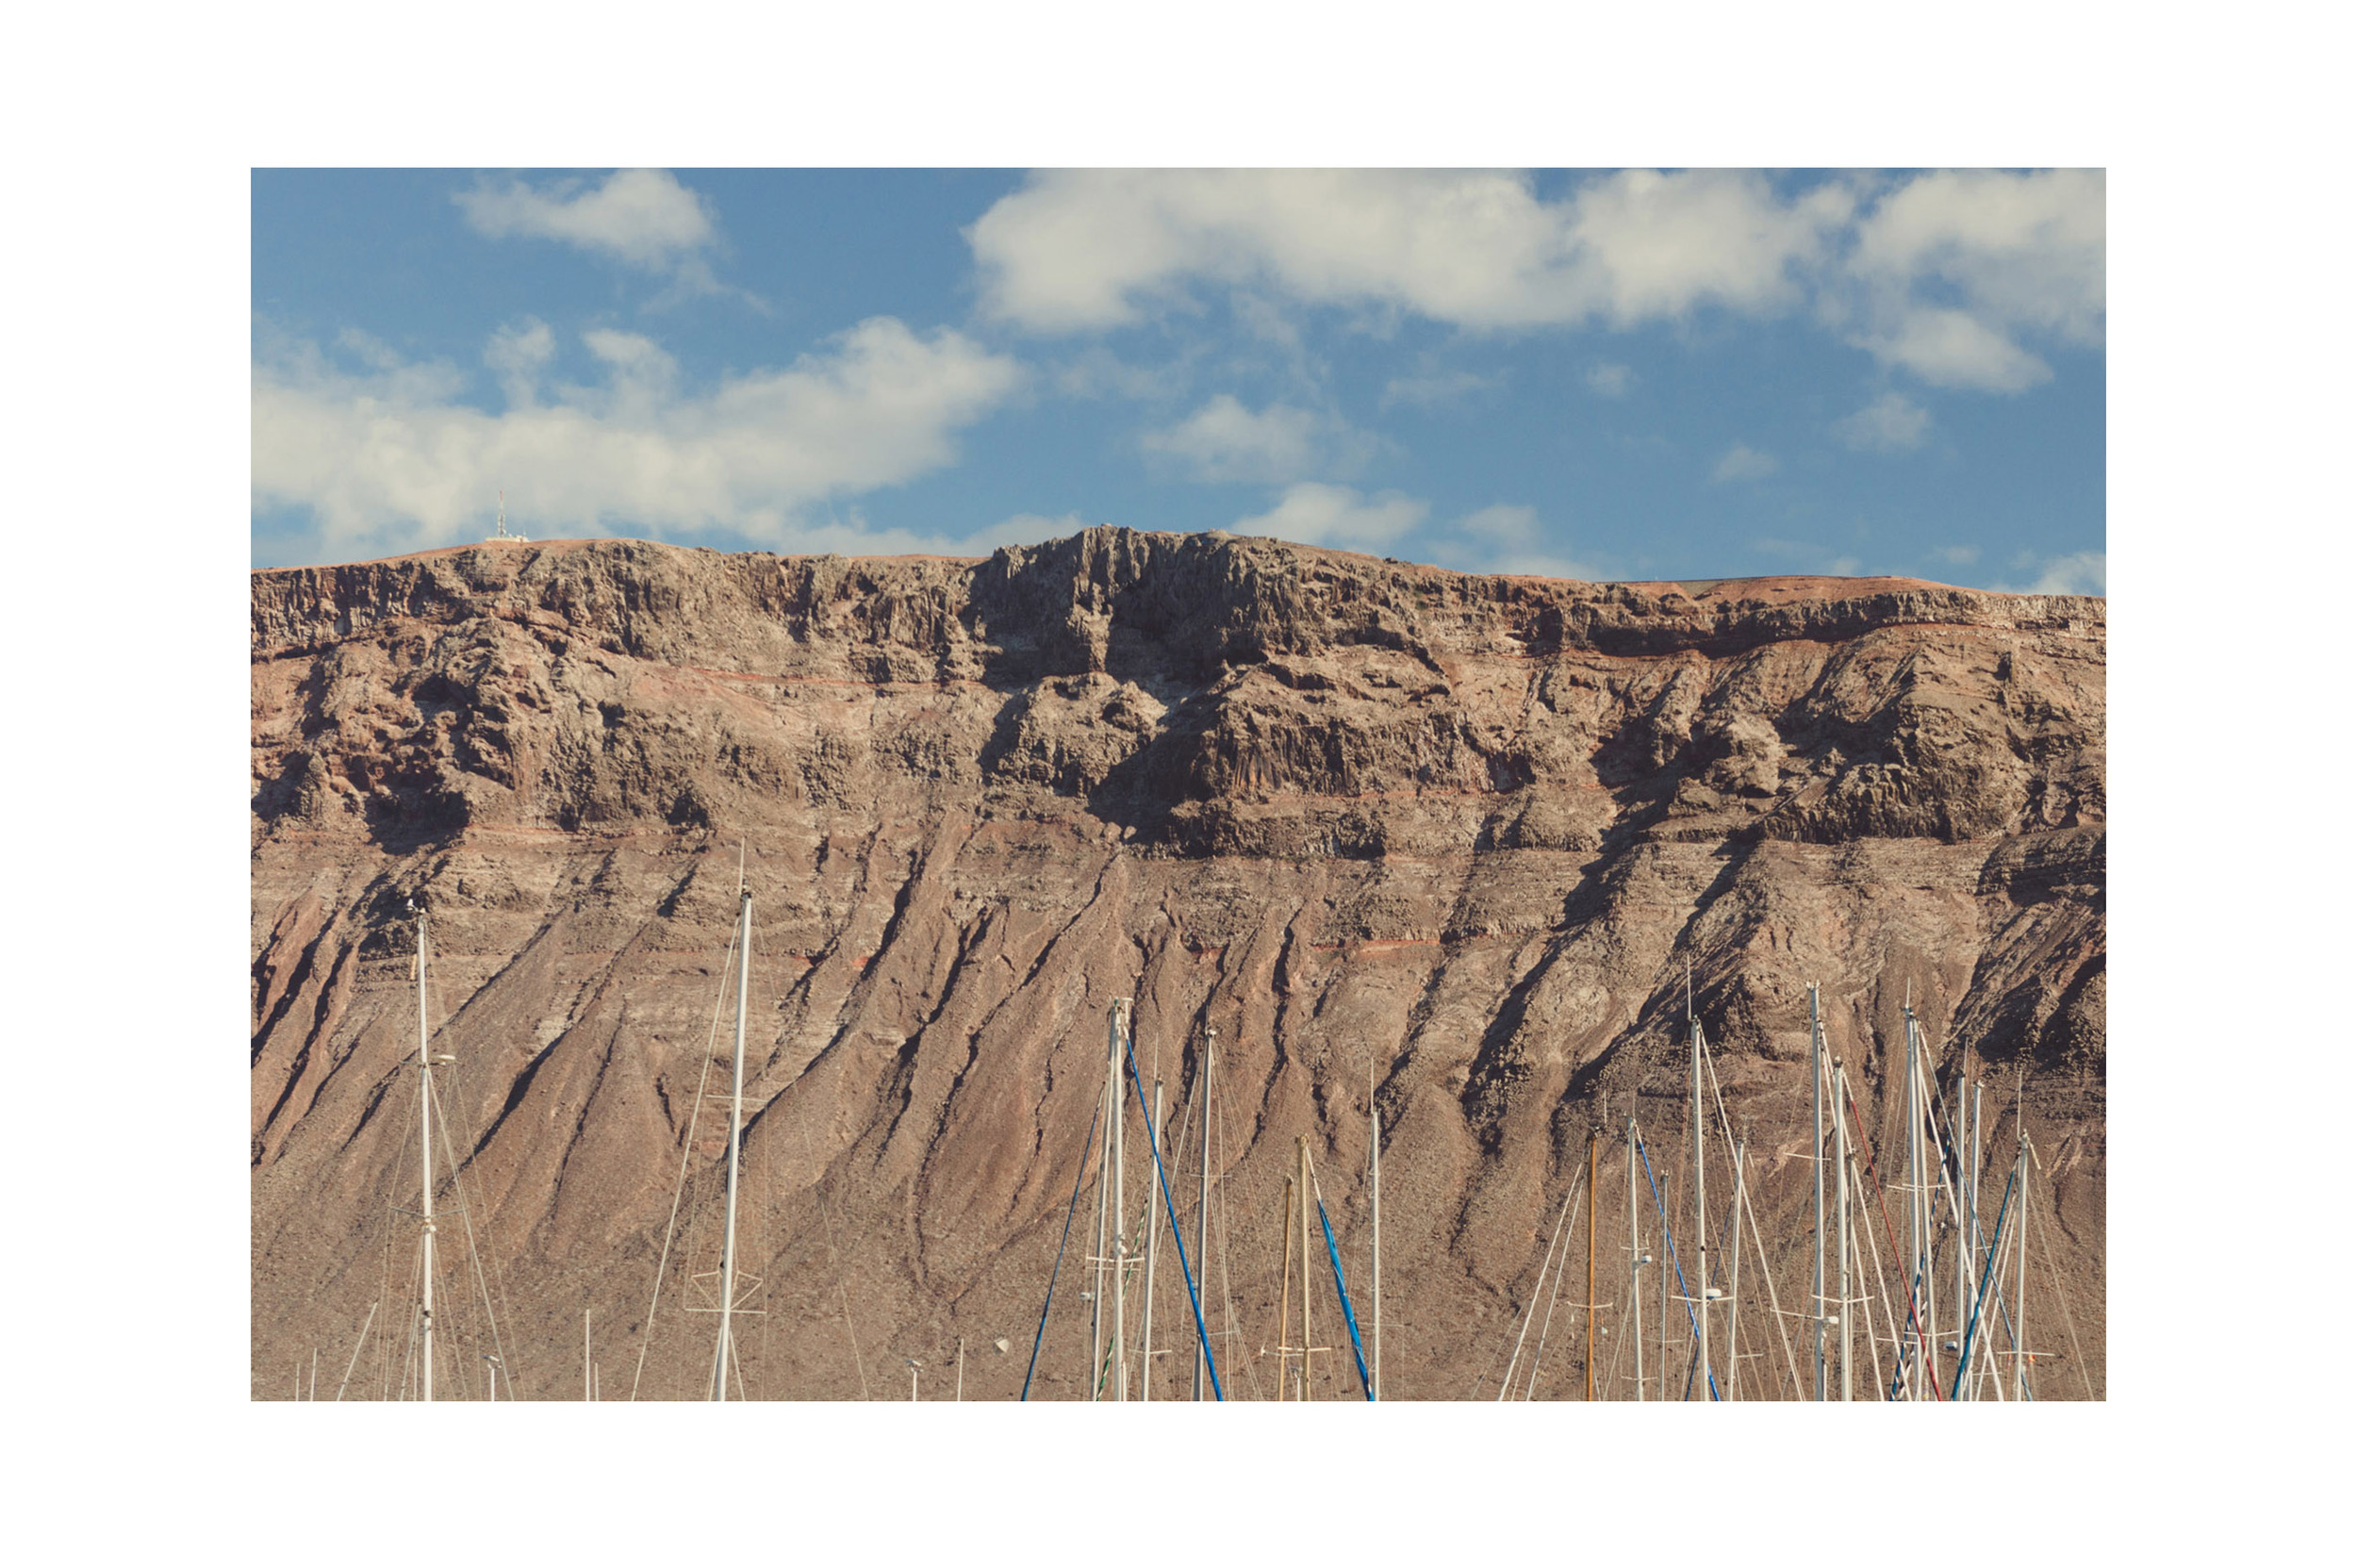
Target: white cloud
[
  {"x": 518, "y": 355},
  {"x": 1890, "y": 423},
  {"x": 1077, "y": 250},
  {"x": 1952, "y": 275},
  {"x": 1609, "y": 381},
  {"x": 1742, "y": 462},
  {"x": 1952, "y": 348},
  {"x": 643, "y": 217},
  {"x": 1951, "y": 268},
  {"x": 2079, "y": 572},
  {"x": 1337, "y": 515},
  {"x": 1958, "y": 555},
  {"x": 391, "y": 458},
  {"x": 1225, "y": 442}
]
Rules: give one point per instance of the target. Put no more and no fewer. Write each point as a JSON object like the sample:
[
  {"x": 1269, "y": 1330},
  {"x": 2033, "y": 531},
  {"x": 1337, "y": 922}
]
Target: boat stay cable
[{"x": 1037, "y": 1334}]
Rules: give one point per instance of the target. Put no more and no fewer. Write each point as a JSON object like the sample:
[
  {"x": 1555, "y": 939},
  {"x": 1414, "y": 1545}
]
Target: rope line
[
  {"x": 1366, "y": 1385},
  {"x": 1079, "y": 1176},
  {"x": 1980, "y": 1296},
  {"x": 1129, "y": 1050},
  {"x": 1670, "y": 1242}
]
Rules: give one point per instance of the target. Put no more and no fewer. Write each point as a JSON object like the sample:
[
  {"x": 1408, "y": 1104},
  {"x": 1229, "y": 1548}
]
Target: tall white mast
[
  {"x": 1972, "y": 1268},
  {"x": 1153, "y": 1235},
  {"x": 1203, "y": 1201},
  {"x": 722, "y": 1355},
  {"x": 2021, "y": 1250},
  {"x": 1842, "y": 1218},
  {"x": 1115, "y": 1031},
  {"x": 1702, "y": 1214},
  {"x": 1919, "y": 1274},
  {"x": 1636, "y": 1259},
  {"x": 1108, "y": 1111},
  {"x": 425, "y": 1155},
  {"x": 1956, "y": 1199},
  {"x": 1817, "y": 1105},
  {"x": 1375, "y": 1201}
]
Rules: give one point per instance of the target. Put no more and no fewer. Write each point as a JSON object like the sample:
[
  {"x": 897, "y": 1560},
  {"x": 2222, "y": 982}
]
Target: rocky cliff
[{"x": 1461, "y": 837}]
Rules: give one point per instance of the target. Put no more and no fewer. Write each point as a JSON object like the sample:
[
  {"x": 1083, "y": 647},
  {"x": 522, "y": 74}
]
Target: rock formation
[{"x": 1468, "y": 835}]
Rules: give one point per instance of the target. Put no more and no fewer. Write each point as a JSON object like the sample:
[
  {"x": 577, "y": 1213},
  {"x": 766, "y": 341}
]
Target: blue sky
[{"x": 1609, "y": 375}]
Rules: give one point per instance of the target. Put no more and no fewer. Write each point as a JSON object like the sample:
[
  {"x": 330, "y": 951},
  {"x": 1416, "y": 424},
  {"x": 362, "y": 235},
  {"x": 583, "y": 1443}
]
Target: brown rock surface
[{"x": 1349, "y": 813}]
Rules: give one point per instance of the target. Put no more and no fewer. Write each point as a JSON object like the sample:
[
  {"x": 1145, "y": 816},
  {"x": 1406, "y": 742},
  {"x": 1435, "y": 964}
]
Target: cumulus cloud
[
  {"x": 1225, "y": 442},
  {"x": 642, "y": 217},
  {"x": 1951, "y": 268},
  {"x": 1955, "y": 277},
  {"x": 1891, "y": 423},
  {"x": 1742, "y": 462},
  {"x": 518, "y": 355},
  {"x": 391, "y": 457},
  {"x": 1079, "y": 250},
  {"x": 1337, "y": 515}
]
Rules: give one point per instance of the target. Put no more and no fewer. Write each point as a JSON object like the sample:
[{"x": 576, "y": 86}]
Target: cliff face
[{"x": 1460, "y": 835}]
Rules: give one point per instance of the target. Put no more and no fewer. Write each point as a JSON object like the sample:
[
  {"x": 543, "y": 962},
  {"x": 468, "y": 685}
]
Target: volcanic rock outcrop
[{"x": 1468, "y": 840}]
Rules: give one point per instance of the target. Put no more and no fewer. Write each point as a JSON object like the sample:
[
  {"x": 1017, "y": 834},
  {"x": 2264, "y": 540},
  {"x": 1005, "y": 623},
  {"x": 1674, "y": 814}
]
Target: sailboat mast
[
  {"x": 1817, "y": 1107},
  {"x": 425, "y": 1172},
  {"x": 723, "y": 1351},
  {"x": 1972, "y": 1217},
  {"x": 1114, "y": 1032},
  {"x": 1841, "y": 1219},
  {"x": 1153, "y": 1239},
  {"x": 1203, "y": 1197},
  {"x": 1956, "y": 1198},
  {"x": 1587, "y": 1302},
  {"x": 1636, "y": 1259},
  {"x": 1109, "y": 1109},
  {"x": 1375, "y": 1192},
  {"x": 2021, "y": 1252},
  {"x": 1285, "y": 1292},
  {"x": 1916, "y": 1272},
  {"x": 1303, "y": 1145},
  {"x": 1702, "y": 1214}
]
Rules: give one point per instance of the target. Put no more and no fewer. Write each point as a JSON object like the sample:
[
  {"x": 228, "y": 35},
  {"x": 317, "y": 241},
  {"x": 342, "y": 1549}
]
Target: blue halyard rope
[
  {"x": 1365, "y": 1386},
  {"x": 1672, "y": 1242},
  {"x": 1980, "y": 1296},
  {"x": 1170, "y": 1212},
  {"x": 1094, "y": 1118}
]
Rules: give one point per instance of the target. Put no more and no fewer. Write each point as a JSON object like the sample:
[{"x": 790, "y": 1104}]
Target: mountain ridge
[{"x": 1466, "y": 831}]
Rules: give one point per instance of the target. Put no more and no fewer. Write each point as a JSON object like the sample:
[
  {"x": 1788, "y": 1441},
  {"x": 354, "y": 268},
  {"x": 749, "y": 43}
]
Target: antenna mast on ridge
[{"x": 503, "y": 535}]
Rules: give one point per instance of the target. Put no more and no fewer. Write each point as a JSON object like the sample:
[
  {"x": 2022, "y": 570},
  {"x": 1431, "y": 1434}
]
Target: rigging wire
[
  {"x": 1980, "y": 1296},
  {"x": 1129, "y": 1047},
  {"x": 1743, "y": 1190},
  {"x": 1563, "y": 1266},
  {"x": 1882, "y": 1202},
  {"x": 687, "y": 1145},
  {"x": 1530, "y": 1308},
  {"x": 1366, "y": 1384},
  {"x": 1670, "y": 1242},
  {"x": 1039, "y": 1334},
  {"x": 1232, "y": 1326}
]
